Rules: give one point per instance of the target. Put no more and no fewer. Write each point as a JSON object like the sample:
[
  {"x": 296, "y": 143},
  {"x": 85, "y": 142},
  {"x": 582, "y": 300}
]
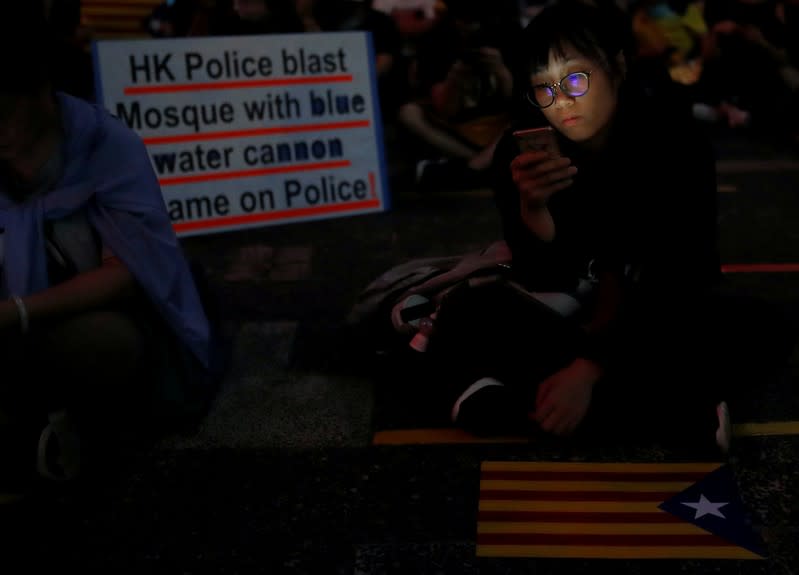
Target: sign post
[{"x": 251, "y": 131}]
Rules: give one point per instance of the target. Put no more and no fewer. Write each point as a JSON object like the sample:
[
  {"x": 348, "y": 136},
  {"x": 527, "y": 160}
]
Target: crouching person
[{"x": 101, "y": 322}]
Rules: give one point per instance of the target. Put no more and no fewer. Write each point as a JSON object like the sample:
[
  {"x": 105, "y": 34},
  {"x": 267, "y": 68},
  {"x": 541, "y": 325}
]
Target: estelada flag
[{"x": 613, "y": 510}]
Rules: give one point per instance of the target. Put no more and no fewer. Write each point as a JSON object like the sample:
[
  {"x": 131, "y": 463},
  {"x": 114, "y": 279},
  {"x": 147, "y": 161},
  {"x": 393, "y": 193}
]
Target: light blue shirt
[{"x": 107, "y": 170}]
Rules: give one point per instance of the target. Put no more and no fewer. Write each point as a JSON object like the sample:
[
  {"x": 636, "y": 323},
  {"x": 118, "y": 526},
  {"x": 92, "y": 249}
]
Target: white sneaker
[
  {"x": 422, "y": 165},
  {"x": 58, "y": 456},
  {"x": 724, "y": 431},
  {"x": 470, "y": 391}
]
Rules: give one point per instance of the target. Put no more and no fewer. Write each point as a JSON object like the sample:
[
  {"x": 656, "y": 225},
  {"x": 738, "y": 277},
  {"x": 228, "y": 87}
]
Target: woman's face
[
  {"x": 15, "y": 117},
  {"x": 582, "y": 119}
]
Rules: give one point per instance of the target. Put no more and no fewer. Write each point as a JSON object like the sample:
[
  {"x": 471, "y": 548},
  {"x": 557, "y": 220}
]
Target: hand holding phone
[
  {"x": 538, "y": 139},
  {"x": 534, "y": 211}
]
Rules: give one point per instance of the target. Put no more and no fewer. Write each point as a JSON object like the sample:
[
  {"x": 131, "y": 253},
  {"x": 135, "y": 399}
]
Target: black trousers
[{"x": 671, "y": 360}]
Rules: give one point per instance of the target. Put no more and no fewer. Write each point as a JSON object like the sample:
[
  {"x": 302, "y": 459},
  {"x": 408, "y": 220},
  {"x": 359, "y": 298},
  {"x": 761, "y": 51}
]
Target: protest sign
[{"x": 251, "y": 131}]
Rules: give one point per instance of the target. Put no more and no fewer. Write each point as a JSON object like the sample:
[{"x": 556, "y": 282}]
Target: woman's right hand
[{"x": 537, "y": 175}]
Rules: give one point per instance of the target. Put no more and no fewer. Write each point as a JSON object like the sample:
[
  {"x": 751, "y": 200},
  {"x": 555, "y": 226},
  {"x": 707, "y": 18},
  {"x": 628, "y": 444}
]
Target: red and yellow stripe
[
  {"x": 116, "y": 18},
  {"x": 452, "y": 435},
  {"x": 592, "y": 510}
]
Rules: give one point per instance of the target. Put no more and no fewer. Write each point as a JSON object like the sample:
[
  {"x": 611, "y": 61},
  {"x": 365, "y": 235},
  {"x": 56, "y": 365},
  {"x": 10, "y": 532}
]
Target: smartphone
[{"x": 538, "y": 139}]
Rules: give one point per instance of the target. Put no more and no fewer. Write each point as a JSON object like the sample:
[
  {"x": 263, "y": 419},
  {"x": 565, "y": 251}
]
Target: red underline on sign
[
  {"x": 241, "y": 84},
  {"x": 182, "y": 138},
  {"x": 253, "y": 173},
  {"x": 272, "y": 216},
  {"x": 759, "y": 268}
]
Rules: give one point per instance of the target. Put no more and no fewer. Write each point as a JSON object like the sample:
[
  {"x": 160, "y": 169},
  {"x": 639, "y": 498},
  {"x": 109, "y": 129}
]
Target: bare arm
[
  {"x": 94, "y": 289},
  {"x": 383, "y": 63}
]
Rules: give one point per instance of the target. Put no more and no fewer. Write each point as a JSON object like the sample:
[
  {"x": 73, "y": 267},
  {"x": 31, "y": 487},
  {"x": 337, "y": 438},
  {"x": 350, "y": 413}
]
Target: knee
[{"x": 108, "y": 341}]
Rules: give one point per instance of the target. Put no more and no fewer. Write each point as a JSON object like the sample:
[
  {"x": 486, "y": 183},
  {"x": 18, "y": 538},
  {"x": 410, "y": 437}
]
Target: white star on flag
[{"x": 705, "y": 507}]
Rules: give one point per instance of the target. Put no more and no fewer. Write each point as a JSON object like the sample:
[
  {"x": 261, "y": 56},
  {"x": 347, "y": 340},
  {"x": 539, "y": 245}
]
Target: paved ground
[{"x": 282, "y": 476}]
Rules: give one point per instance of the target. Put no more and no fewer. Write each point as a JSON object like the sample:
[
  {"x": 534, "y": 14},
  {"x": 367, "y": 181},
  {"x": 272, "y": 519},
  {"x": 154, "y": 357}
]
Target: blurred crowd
[{"x": 446, "y": 70}]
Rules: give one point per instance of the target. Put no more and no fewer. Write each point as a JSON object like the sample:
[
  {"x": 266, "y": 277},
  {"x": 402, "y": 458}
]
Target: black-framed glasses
[{"x": 573, "y": 85}]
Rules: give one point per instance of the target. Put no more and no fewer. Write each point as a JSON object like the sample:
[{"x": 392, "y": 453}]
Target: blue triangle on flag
[{"x": 713, "y": 504}]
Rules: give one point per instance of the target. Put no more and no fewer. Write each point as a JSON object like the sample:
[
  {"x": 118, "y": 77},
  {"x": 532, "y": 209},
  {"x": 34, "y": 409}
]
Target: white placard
[{"x": 248, "y": 131}]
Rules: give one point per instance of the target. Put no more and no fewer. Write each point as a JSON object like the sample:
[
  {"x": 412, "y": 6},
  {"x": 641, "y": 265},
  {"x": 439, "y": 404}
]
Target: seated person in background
[
  {"x": 102, "y": 323},
  {"x": 248, "y": 17},
  {"x": 673, "y": 34},
  {"x": 413, "y": 17},
  {"x": 307, "y": 11},
  {"x": 748, "y": 38},
  {"x": 171, "y": 18},
  {"x": 669, "y": 32},
  {"x": 462, "y": 90},
  {"x": 632, "y": 249},
  {"x": 358, "y": 15}
]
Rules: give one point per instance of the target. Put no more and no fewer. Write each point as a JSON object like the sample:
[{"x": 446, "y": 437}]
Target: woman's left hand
[{"x": 563, "y": 398}]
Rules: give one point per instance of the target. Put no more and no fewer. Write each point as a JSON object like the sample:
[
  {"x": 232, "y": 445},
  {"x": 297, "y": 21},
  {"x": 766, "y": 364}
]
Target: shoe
[
  {"x": 58, "y": 455},
  {"x": 430, "y": 174},
  {"x": 487, "y": 407},
  {"x": 724, "y": 431},
  {"x": 421, "y": 166}
]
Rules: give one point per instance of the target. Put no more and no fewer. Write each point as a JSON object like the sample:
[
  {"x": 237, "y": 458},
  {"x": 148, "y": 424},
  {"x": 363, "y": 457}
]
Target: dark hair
[
  {"x": 26, "y": 47},
  {"x": 599, "y": 33}
]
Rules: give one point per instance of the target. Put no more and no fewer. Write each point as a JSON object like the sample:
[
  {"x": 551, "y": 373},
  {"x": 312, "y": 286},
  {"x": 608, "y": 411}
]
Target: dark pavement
[{"x": 282, "y": 476}]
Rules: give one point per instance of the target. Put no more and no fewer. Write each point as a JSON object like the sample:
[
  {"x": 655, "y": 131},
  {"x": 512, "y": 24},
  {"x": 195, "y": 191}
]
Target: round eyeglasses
[{"x": 573, "y": 85}]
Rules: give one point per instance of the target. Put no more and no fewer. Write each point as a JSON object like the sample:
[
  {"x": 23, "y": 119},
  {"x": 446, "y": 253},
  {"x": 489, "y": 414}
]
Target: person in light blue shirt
[{"x": 100, "y": 312}]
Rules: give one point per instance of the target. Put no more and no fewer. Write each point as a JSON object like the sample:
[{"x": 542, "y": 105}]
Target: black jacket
[{"x": 647, "y": 204}]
